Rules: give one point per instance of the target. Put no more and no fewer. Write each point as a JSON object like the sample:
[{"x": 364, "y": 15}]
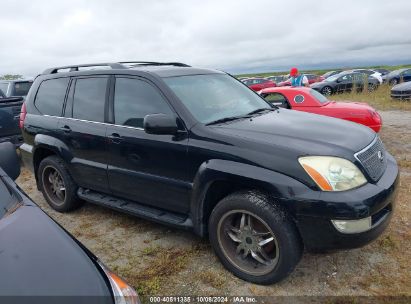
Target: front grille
[
  {"x": 396, "y": 92},
  {"x": 373, "y": 158}
]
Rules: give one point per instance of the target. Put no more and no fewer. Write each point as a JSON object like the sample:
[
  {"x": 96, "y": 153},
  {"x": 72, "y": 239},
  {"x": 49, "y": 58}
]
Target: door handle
[
  {"x": 115, "y": 138},
  {"x": 66, "y": 129}
]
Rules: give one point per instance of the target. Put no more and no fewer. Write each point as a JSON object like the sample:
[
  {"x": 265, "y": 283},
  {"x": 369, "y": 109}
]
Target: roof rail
[
  {"x": 75, "y": 68},
  {"x": 114, "y": 65},
  {"x": 137, "y": 63}
]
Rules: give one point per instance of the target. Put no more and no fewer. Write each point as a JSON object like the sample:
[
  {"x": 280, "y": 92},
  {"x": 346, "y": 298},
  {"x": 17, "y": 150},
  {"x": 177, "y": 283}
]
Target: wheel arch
[
  {"x": 216, "y": 179},
  {"x": 45, "y": 146}
]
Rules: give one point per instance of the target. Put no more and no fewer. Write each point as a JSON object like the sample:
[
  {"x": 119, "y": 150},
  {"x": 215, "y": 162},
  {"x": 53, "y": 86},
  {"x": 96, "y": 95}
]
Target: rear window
[
  {"x": 50, "y": 96},
  {"x": 317, "y": 95},
  {"x": 22, "y": 88},
  {"x": 89, "y": 99},
  {"x": 8, "y": 201}
]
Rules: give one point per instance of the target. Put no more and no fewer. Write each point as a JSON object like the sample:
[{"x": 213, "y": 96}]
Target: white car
[{"x": 372, "y": 73}]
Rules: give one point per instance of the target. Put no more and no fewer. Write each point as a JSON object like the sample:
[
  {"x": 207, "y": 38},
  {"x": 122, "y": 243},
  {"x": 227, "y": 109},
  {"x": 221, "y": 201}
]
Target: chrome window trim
[{"x": 95, "y": 122}]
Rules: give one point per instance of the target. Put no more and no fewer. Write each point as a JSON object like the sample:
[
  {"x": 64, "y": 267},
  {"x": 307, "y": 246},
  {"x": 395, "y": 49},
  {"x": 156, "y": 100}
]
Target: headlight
[
  {"x": 332, "y": 173},
  {"x": 122, "y": 292}
]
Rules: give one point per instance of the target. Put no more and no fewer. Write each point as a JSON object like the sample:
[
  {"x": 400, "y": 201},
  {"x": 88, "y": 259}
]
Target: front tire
[
  {"x": 254, "y": 238},
  {"x": 56, "y": 184},
  {"x": 326, "y": 91}
]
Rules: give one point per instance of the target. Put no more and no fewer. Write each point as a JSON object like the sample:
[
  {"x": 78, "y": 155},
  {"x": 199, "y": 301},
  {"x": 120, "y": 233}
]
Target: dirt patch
[{"x": 158, "y": 260}]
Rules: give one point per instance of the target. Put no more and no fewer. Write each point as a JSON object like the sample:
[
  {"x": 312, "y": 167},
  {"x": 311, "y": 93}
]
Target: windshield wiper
[
  {"x": 227, "y": 119},
  {"x": 262, "y": 110}
]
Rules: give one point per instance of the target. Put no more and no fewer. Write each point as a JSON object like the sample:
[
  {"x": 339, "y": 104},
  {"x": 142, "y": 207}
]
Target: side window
[
  {"x": 89, "y": 99},
  {"x": 3, "y": 87},
  {"x": 406, "y": 73},
  {"x": 277, "y": 99},
  {"x": 346, "y": 77},
  {"x": 134, "y": 99},
  {"x": 50, "y": 96}
]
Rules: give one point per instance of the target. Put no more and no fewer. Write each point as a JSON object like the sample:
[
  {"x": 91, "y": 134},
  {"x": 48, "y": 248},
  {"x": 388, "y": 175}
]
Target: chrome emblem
[{"x": 380, "y": 156}]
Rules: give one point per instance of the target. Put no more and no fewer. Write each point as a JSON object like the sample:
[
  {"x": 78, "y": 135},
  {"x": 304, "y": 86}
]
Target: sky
[{"x": 235, "y": 36}]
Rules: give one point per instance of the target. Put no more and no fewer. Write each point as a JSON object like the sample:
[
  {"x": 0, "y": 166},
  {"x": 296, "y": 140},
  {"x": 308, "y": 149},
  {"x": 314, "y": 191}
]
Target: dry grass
[{"x": 379, "y": 99}]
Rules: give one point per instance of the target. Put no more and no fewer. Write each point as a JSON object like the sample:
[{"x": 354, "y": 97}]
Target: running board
[{"x": 136, "y": 209}]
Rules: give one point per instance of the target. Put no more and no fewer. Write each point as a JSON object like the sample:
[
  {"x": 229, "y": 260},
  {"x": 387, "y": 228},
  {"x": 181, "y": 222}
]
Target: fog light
[{"x": 352, "y": 226}]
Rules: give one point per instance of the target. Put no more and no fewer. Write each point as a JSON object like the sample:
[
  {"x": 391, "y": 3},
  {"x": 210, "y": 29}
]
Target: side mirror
[
  {"x": 9, "y": 160},
  {"x": 160, "y": 124}
]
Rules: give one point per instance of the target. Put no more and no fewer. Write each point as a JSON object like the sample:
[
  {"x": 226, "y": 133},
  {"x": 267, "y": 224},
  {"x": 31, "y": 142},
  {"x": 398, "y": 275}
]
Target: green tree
[{"x": 11, "y": 77}]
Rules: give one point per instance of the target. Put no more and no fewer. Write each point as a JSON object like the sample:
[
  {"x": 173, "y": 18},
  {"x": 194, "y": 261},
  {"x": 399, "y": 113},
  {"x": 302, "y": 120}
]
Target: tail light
[{"x": 23, "y": 114}]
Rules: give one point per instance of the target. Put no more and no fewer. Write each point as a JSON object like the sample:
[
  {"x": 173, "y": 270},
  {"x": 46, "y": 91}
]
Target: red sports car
[
  {"x": 257, "y": 84},
  {"x": 308, "y": 100}
]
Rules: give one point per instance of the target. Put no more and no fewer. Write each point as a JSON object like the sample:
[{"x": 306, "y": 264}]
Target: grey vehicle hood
[{"x": 38, "y": 258}]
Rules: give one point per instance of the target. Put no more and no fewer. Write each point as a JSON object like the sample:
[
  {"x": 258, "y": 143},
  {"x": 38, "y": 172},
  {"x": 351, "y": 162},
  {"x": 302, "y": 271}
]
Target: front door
[{"x": 146, "y": 168}]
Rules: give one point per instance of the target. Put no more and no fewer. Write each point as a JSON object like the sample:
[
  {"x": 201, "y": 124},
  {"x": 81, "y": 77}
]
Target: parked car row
[{"x": 337, "y": 81}]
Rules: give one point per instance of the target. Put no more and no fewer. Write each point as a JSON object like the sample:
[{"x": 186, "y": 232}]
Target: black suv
[{"x": 195, "y": 148}]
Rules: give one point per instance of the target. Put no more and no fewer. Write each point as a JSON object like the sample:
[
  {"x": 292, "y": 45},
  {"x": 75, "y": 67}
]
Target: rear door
[
  {"x": 83, "y": 130},
  {"x": 146, "y": 168}
]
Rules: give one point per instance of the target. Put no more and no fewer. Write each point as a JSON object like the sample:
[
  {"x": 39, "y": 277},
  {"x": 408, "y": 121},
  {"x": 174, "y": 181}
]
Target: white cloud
[{"x": 232, "y": 35}]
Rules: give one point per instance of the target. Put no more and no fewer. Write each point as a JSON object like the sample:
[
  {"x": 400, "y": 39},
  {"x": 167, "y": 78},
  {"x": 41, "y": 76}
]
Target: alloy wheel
[
  {"x": 54, "y": 185},
  {"x": 326, "y": 91},
  {"x": 248, "y": 242}
]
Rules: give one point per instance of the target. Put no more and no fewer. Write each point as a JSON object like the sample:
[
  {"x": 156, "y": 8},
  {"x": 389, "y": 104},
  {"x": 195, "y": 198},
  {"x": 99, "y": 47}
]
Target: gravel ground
[{"x": 158, "y": 260}]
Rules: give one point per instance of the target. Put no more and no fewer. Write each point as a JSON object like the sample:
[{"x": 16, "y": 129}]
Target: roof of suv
[{"x": 161, "y": 69}]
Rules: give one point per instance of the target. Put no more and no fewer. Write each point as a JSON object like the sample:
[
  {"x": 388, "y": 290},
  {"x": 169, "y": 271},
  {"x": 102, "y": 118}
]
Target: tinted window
[
  {"x": 50, "y": 96},
  {"x": 134, "y": 99},
  {"x": 89, "y": 99},
  {"x": 407, "y": 73},
  {"x": 3, "y": 87},
  {"x": 22, "y": 88}
]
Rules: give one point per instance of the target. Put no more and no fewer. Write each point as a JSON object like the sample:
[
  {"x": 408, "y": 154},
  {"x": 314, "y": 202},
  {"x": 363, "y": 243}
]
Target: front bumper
[{"x": 375, "y": 200}]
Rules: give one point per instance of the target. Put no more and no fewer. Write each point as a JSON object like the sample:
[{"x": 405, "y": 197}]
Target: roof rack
[
  {"x": 114, "y": 65},
  {"x": 75, "y": 68},
  {"x": 137, "y": 63}
]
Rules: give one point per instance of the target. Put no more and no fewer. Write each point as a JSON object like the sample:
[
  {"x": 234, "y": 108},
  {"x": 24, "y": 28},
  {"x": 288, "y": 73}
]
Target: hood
[
  {"x": 402, "y": 86},
  {"x": 355, "y": 107},
  {"x": 301, "y": 133},
  {"x": 320, "y": 84},
  {"x": 38, "y": 258}
]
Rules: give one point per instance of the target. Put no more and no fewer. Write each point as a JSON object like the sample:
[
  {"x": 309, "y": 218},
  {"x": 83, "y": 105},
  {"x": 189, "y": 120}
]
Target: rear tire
[
  {"x": 326, "y": 91},
  {"x": 264, "y": 248},
  {"x": 56, "y": 184}
]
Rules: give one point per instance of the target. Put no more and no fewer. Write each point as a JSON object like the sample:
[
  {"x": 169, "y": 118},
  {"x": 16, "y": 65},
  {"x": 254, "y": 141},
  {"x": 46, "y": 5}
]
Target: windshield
[
  {"x": 333, "y": 78},
  {"x": 22, "y": 88},
  {"x": 8, "y": 202},
  {"x": 215, "y": 96},
  {"x": 317, "y": 95}
]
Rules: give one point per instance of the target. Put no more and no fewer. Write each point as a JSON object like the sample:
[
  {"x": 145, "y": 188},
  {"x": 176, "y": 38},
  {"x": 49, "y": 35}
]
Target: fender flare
[
  {"x": 58, "y": 147},
  {"x": 277, "y": 185}
]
